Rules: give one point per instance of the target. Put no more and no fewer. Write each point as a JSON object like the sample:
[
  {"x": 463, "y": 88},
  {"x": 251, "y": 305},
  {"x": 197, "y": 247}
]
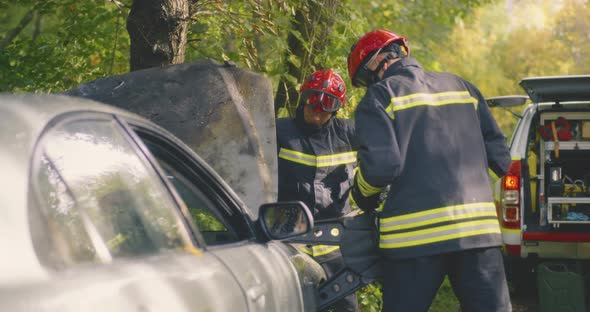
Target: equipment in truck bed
[{"x": 563, "y": 191}]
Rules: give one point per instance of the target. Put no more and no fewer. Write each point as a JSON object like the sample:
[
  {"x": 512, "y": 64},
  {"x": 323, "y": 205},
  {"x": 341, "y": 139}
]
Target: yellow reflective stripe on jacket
[
  {"x": 493, "y": 175},
  {"x": 366, "y": 188},
  {"x": 439, "y": 234},
  {"x": 306, "y": 249},
  {"x": 318, "y": 250},
  {"x": 431, "y": 99},
  {"x": 321, "y": 250},
  {"x": 353, "y": 204},
  {"x": 437, "y": 215},
  {"x": 318, "y": 161}
]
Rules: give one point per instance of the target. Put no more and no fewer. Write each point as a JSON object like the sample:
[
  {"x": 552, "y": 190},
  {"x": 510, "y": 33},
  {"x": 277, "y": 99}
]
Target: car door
[
  {"x": 222, "y": 226},
  {"x": 107, "y": 229}
]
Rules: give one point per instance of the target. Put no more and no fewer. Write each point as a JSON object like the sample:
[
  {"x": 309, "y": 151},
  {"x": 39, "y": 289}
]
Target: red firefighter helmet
[
  {"x": 324, "y": 90},
  {"x": 365, "y": 46}
]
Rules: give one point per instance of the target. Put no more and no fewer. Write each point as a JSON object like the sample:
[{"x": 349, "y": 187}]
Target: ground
[{"x": 528, "y": 303}]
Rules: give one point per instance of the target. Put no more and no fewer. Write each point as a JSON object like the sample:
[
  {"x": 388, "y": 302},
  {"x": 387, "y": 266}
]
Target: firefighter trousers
[{"x": 477, "y": 277}]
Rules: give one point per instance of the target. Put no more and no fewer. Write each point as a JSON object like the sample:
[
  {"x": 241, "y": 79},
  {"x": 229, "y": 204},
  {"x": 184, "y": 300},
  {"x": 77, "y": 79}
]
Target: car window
[
  {"x": 210, "y": 225},
  {"x": 208, "y": 208},
  {"x": 101, "y": 200}
]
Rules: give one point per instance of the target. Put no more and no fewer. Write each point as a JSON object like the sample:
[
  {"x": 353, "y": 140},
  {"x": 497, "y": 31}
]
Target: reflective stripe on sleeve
[
  {"x": 430, "y": 99},
  {"x": 318, "y": 161},
  {"x": 493, "y": 175},
  {"x": 353, "y": 204},
  {"x": 366, "y": 188}
]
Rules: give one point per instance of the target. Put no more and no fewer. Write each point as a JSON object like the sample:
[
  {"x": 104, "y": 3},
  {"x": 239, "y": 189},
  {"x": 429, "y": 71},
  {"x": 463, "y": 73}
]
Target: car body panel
[
  {"x": 133, "y": 286},
  {"x": 258, "y": 280},
  {"x": 248, "y": 276}
]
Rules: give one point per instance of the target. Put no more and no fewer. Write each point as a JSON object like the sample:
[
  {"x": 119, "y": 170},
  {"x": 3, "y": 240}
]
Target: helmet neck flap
[{"x": 366, "y": 77}]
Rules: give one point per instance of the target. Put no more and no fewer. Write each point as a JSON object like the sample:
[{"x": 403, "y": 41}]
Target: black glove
[{"x": 366, "y": 204}]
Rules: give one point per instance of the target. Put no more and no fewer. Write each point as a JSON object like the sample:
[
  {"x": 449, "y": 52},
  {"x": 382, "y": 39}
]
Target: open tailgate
[{"x": 557, "y": 88}]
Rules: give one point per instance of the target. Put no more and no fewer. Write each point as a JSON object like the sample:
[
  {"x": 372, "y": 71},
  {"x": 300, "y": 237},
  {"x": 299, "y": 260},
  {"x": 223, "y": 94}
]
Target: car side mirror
[{"x": 283, "y": 220}]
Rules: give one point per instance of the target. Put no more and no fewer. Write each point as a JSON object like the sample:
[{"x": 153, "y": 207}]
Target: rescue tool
[{"x": 357, "y": 235}]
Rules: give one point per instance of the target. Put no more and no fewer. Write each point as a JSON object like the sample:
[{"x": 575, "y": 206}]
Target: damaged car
[{"x": 102, "y": 210}]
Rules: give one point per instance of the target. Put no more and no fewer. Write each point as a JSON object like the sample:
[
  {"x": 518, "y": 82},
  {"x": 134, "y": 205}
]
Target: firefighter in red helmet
[
  {"x": 316, "y": 158},
  {"x": 430, "y": 139}
]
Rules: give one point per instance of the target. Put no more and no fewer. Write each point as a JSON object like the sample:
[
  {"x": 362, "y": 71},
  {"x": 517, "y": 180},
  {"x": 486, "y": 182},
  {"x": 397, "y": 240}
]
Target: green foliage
[
  {"x": 496, "y": 46},
  {"x": 571, "y": 27},
  {"x": 249, "y": 29},
  {"x": 445, "y": 299},
  {"x": 205, "y": 221},
  {"x": 370, "y": 298},
  {"x": 425, "y": 23},
  {"x": 67, "y": 42}
]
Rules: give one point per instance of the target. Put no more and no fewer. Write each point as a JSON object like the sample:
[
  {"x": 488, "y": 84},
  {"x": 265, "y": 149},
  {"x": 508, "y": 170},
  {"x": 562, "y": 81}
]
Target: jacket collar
[
  {"x": 307, "y": 128},
  {"x": 400, "y": 65}
]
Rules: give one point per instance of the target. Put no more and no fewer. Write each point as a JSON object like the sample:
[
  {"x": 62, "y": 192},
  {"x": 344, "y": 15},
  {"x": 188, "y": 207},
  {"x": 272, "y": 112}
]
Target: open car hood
[{"x": 557, "y": 88}]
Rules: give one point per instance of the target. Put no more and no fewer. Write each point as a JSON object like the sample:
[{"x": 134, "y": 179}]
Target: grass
[
  {"x": 369, "y": 298},
  {"x": 445, "y": 299}
]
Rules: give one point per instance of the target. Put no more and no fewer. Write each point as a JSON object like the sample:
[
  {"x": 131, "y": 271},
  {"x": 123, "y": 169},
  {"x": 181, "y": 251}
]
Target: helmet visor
[
  {"x": 318, "y": 99},
  {"x": 361, "y": 79},
  {"x": 363, "y": 75}
]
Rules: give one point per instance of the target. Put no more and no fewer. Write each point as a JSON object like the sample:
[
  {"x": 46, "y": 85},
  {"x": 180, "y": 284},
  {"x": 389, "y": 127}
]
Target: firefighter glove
[{"x": 366, "y": 204}]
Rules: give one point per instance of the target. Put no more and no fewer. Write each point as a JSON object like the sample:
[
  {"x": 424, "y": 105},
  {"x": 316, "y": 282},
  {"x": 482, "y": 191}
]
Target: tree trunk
[
  {"x": 158, "y": 32},
  {"x": 315, "y": 26}
]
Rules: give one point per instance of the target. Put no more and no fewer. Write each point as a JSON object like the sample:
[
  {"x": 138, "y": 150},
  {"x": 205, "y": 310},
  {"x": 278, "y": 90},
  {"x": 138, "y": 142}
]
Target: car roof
[
  {"x": 557, "y": 89},
  {"x": 22, "y": 120}
]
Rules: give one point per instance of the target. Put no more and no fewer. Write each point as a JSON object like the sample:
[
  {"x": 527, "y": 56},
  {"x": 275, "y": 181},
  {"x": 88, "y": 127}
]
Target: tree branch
[
  {"x": 37, "y": 30},
  {"x": 119, "y": 4},
  {"x": 16, "y": 30}
]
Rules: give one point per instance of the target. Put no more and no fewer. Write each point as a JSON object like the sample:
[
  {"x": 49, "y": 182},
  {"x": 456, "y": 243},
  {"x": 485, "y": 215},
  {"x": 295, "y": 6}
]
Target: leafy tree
[
  {"x": 425, "y": 23},
  {"x": 496, "y": 46},
  {"x": 309, "y": 32},
  {"x": 67, "y": 42},
  {"x": 571, "y": 27}
]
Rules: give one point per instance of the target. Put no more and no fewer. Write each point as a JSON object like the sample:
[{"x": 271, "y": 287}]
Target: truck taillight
[
  {"x": 510, "y": 196},
  {"x": 512, "y": 181}
]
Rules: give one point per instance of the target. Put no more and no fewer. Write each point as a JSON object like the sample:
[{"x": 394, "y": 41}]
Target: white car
[{"x": 102, "y": 210}]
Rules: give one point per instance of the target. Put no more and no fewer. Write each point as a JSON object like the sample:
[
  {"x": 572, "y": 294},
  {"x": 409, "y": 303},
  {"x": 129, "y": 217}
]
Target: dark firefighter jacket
[
  {"x": 316, "y": 166},
  {"x": 431, "y": 137}
]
